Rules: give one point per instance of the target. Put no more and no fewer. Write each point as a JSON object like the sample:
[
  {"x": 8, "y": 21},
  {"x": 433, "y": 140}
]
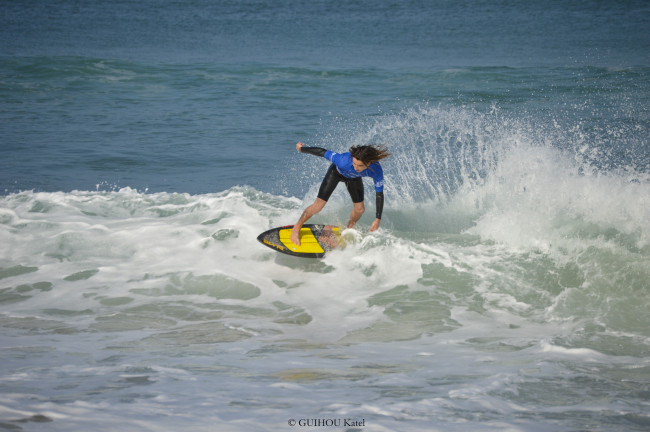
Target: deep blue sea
[{"x": 145, "y": 144}]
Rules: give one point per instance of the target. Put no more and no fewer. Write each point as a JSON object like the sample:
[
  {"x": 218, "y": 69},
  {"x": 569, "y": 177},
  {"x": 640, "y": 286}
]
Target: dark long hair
[{"x": 369, "y": 153}]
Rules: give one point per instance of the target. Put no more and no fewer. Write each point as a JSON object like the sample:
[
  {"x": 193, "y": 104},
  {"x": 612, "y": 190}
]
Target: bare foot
[{"x": 295, "y": 235}]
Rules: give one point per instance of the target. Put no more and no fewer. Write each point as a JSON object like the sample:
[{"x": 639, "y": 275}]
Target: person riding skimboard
[{"x": 349, "y": 168}]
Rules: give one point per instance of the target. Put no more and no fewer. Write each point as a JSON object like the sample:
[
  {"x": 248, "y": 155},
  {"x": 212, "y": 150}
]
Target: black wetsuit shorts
[{"x": 332, "y": 179}]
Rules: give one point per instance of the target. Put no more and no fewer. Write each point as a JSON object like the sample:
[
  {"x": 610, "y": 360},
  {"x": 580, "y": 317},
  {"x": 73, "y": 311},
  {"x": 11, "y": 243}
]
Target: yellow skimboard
[{"x": 315, "y": 240}]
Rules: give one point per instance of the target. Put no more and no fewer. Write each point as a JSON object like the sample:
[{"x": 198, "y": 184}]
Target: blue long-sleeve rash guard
[{"x": 344, "y": 166}]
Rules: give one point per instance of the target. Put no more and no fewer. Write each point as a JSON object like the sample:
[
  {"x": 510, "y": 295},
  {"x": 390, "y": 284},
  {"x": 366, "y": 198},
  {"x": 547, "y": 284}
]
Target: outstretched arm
[
  {"x": 380, "y": 209},
  {"x": 316, "y": 151}
]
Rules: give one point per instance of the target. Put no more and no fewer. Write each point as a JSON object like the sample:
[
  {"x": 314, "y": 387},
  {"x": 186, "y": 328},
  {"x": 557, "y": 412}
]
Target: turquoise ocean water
[{"x": 145, "y": 144}]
